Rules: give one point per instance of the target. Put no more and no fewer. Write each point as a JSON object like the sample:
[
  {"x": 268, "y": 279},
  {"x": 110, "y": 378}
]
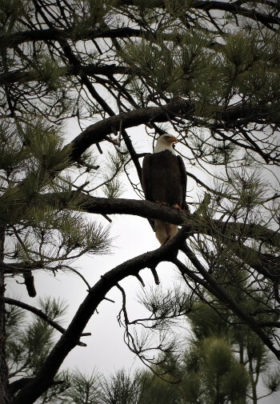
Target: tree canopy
[{"x": 206, "y": 71}]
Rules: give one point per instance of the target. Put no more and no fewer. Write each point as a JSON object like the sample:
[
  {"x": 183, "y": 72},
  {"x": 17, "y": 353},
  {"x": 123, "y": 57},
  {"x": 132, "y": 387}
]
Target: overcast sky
[
  {"x": 106, "y": 352},
  {"x": 131, "y": 236}
]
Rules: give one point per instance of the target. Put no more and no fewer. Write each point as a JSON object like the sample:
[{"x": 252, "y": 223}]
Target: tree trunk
[{"x": 4, "y": 391}]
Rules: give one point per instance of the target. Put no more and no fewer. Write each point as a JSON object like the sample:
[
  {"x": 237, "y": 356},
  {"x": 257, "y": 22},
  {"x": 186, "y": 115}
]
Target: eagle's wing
[
  {"x": 183, "y": 181},
  {"x": 146, "y": 170}
]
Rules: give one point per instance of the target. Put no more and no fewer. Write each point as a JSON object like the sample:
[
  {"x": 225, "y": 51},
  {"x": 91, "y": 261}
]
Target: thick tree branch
[
  {"x": 29, "y": 283},
  {"x": 35, "y": 75},
  {"x": 237, "y": 8},
  {"x": 151, "y": 210},
  {"x": 97, "y": 132},
  {"x": 178, "y": 107},
  {"x": 11, "y": 40},
  {"x": 69, "y": 339},
  {"x": 19, "y": 384}
]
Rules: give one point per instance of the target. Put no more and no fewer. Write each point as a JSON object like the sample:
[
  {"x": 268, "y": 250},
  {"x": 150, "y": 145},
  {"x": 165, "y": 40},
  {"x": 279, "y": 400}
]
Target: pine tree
[
  {"x": 219, "y": 361},
  {"x": 207, "y": 71},
  {"x": 28, "y": 344},
  {"x": 242, "y": 353}
]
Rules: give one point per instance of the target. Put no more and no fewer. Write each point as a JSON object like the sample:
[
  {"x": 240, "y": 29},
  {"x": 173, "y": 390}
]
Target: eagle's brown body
[{"x": 164, "y": 182}]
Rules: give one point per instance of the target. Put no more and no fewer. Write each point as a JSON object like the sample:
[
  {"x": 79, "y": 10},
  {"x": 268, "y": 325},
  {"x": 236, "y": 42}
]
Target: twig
[
  {"x": 155, "y": 275},
  {"x": 42, "y": 315},
  {"x": 140, "y": 280}
]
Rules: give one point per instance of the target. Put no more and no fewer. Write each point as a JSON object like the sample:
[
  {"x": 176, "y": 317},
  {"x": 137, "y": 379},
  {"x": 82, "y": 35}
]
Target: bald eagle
[{"x": 164, "y": 182}]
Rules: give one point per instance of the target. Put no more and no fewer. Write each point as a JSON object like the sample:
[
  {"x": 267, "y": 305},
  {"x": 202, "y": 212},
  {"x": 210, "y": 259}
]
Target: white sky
[
  {"x": 106, "y": 352},
  {"x": 131, "y": 236}
]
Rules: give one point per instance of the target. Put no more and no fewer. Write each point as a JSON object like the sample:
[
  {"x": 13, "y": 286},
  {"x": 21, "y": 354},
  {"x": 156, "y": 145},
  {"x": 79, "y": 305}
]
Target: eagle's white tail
[{"x": 165, "y": 231}]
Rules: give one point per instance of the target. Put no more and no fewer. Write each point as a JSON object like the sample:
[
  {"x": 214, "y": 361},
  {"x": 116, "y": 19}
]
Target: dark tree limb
[
  {"x": 19, "y": 267},
  {"x": 11, "y": 40},
  {"x": 223, "y": 296},
  {"x": 29, "y": 283},
  {"x": 40, "y": 314},
  {"x": 18, "y": 76},
  {"x": 178, "y": 107},
  {"x": 19, "y": 384},
  {"x": 132, "y": 153},
  {"x": 52, "y": 34},
  {"x": 98, "y": 292},
  {"x": 152, "y": 210},
  {"x": 97, "y": 132},
  {"x": 237, "y": 8}
]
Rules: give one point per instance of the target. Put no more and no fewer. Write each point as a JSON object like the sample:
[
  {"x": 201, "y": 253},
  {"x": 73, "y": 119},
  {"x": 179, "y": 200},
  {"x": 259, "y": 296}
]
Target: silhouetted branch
[
  {"x": 237, "y": 8},
  {"x": 19, "y": 384},
  {"x": 11, "y": 40},
  {"x": 223, "y": 296},
  {"x": 152, "y": 210},
  {"x": 97, "y": 293},
  {"x": 29, "y": 283},
  {"x": 52, "y": 34},
  {"x": 34, "y": 75},
  {"x": 178, "y": 107},
  {"x": 40, "y": 314}
]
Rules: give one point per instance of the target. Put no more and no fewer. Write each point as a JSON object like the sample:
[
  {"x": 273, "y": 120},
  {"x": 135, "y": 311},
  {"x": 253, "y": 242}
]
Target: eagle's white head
[{"x": 165, "y": 142}]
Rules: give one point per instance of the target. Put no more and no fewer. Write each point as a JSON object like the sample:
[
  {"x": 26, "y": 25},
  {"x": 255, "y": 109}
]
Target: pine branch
[
  {"x": 152, "y": 210},
  {"x": 236, "y": 8},
  {"x": 19, "y": 267},
  {"x": 20, "y": 383},
  {"x": 40, "y": 314},
  {"x": 97, "y": 132},
  {"x": 178, "y": 107},
  {"x": 267, "y": 19},
  {"x": 71, "y": 70},
  {"x": 12, "y": 40},
  {"x": 69, "y": 339},
  {"x": 214, "y": 288},
  {"x": 4, "y": 390}
]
